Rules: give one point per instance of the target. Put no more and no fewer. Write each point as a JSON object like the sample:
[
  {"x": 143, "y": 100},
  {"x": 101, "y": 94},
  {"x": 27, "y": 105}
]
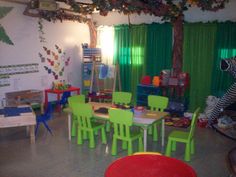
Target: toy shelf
[{"x": 143, "y": 91}]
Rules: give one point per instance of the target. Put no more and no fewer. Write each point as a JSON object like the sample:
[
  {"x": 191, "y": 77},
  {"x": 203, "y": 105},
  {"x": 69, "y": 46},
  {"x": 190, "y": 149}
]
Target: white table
[
  {"x": 143, "y": 120},
  {"x": 27, "y": 119}
]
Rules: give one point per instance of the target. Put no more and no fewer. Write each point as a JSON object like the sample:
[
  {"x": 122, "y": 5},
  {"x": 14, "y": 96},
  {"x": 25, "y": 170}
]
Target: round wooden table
[{"x": 149, "y": 165}]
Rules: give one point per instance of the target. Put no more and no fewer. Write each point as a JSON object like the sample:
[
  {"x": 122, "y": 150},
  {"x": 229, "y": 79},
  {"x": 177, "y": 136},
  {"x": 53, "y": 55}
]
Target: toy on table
[{"x": 60, "y": 85}]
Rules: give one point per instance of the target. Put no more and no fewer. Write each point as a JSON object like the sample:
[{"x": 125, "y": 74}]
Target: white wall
[
  {"x": 23, "y": 31},
  {"x": 194, "y": 14}
]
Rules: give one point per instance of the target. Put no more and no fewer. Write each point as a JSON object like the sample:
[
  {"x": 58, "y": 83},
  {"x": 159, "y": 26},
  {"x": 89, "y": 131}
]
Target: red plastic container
[{"x": 146, "y": 80}]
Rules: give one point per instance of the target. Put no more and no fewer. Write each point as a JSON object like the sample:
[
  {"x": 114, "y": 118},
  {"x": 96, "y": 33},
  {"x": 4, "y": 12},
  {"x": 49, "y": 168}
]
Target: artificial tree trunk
[
  {"x": 93, "y": 34},
  {"x": 177, "y": 60}
]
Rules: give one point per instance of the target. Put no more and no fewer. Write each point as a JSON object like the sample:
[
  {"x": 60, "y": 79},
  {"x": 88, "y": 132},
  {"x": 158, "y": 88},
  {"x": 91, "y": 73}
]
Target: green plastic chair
[
  {"x": 183, "y": 137},
  {"x": 156, "y": 103},
  {"x": 122, "y": 121},
  {"x": 75, "y": 99},
  {"x": 122, "y": 98},
  {"x": 84, "y": 114}
]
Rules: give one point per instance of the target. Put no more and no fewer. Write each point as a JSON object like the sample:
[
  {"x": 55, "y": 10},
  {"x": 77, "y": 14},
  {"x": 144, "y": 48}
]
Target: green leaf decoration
[
  {"x": 4, "y": 11},
  {"x": 4, "y": 37}
]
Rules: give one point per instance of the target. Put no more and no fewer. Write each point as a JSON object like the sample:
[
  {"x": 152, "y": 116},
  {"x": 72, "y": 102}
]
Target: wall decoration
[
  {"x": 40, "y": 30},
  {"x": 3, "y": 36},
  {"x": 4, "y": 80},
  {"x": 19, "y": 69},
  {"x": 55, "y": 61}
]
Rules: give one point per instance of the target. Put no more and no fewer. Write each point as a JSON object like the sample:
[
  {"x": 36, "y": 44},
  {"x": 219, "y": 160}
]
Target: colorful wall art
[
  {"x": 54, "y": 62},
  {"x": 9, "y": 70}
]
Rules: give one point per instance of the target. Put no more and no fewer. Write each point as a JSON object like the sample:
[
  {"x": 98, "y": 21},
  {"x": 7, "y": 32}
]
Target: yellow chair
[
  {"x": 183, "y": 137},
  {"x": 156, "y": 103}
]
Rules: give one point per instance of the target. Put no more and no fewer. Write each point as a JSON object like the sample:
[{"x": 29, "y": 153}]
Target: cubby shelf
[{"x": 143, "y": 91}]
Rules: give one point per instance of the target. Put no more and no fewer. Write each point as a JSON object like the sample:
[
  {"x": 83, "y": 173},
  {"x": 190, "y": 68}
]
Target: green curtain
[
  {"x": 159, "y": 48},
  {"x": 138, "y": 53},
  {"x": 225, "y": 48},
  {"x": 122, "y": 54},
  {"x": 198, "y": 56}
]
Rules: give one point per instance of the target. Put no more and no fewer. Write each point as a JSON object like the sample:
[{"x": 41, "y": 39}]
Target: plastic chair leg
[
  {"x": 150, "y": 131},
  {"x": 103, "y": 134},
  {"x": 192, "y": 146},
  {"x": 140, "y": 144},
  {"x": 114, "y": 146},
  {"x": 187, "y": 152},
  {"x": 47, "y": 127},
  {"x": 79, "y": 137},
  {"x": 85, "y": 135},
  {"x": 155, "y": 135},
  {"x": 108, "y": 126},
  {"x": 36, "y": 129},
  {"x": 91, "y": 139},
  {"x": 173, "y": 146},
  {"x": 124, "y": 144},
  {"x": 73, "y": 129},
  {"x": 130, "y": 148},
  {"x": 168, "y": 148}
]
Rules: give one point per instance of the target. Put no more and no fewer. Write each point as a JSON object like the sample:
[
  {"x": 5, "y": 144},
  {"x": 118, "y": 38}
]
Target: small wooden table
[
  {"x": 148, "y": 165},
  {"x": 143, "y": 120},
  {"x": 58, "y": 93},
  {"x": 17, "y": 117}
]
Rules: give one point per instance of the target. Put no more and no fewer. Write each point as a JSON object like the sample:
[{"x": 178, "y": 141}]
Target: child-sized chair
[
  {"x": 75, "y": 99},
  {"x": 44, "y": 118},
  {"x": 156, "y": 103},
  {"x": 119, "y": 98},
  {"x": 122, "y": 98},
  {"x": 84, "y": 114},
  {"x": 64, "y": 99},
  {"x": 122, "y": 121},
  {"x": 183, "y": 137}
]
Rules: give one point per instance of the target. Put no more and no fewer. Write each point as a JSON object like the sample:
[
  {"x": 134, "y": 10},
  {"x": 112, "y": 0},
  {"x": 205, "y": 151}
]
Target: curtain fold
[
  {"x": 122, "y": 54},
  {"x": 159, "y": 48},
  {"x": 138, "y": 46},
  {"x": 198, "y": 56},
  {"x": 225, "y": 48}
]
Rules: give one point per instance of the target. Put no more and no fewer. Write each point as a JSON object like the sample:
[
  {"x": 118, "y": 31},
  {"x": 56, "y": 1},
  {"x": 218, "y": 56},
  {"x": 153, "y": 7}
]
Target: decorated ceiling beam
[{"x": 169, "y": 10}]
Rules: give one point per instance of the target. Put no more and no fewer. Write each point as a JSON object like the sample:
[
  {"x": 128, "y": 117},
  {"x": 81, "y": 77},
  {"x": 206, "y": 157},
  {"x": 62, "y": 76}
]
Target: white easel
[{"x": 94, "y": 75}]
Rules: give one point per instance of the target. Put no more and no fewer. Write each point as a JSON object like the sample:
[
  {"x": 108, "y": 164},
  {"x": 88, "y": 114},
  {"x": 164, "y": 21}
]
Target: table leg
[
  {"x": 58, "y": 104},
  {"x": 46, "y": 99},
  {"x": 145, "y": 139},
  {"x": 69, "y": 126},
  {"x": 32, "y": 135},
  {"x": 163, "y": 132}
]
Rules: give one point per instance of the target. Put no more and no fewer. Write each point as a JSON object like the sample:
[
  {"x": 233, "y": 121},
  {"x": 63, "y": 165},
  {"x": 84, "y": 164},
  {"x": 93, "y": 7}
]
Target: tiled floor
[{"x": 55, "y": 156}]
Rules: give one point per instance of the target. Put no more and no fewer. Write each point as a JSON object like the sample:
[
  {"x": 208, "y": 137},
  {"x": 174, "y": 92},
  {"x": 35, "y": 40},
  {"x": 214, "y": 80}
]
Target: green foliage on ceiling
[
  {"x": 4, "y": 11},
  {"x": 168, "y": 9},
  {"x": 3, "y": 36}
]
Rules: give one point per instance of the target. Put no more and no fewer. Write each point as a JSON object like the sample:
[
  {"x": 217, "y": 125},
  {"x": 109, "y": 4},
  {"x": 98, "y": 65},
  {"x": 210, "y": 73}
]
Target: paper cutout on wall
[
  {"x": 19, "y": 69},
  {"x": 4, "y": 80},
  {"x": 55, "y": 61}
]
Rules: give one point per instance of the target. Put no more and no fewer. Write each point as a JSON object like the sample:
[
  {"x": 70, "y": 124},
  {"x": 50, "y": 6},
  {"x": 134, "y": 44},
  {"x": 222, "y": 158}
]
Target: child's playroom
[{"x": 117, "y": 88}]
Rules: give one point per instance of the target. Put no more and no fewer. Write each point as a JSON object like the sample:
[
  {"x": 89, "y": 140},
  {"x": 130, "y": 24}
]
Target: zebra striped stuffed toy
[{"x": 230, "y": 96}]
